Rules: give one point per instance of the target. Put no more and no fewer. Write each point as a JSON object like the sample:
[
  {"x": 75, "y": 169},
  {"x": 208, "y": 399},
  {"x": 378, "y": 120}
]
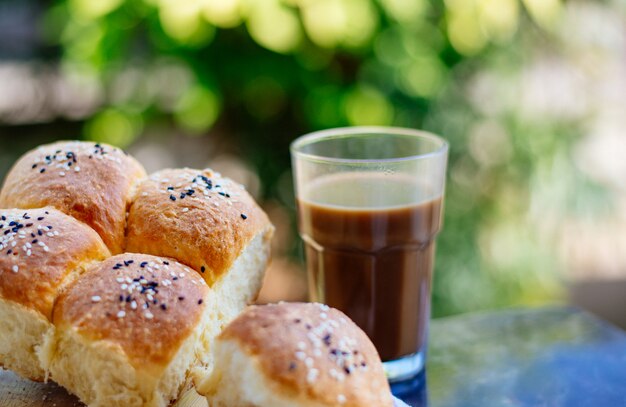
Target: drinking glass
[{"x": 369, "y": 208}]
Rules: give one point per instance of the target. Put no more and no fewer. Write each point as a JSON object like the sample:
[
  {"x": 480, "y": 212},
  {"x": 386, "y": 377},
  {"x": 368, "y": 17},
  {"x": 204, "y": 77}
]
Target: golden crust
[
  {"x": 195, "y": 216},
  {"x": 144, "y": 304},
  {"x": 91, "y": 182},
  {"x": 313, "y": 352},
  {"x": 41, "y": 251}
]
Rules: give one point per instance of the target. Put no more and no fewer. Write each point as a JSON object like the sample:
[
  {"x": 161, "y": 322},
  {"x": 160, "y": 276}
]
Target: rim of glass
[{"x": 342, "y": 132}]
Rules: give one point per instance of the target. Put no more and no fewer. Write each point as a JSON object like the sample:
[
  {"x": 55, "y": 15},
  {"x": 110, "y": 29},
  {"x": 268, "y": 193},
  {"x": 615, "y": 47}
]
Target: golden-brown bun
[
  {"x": 295, "y": 355},
  {"x": 91, "y": 182},
  {"x": 41, "y": 251},
  {"x": 197, "y": 217},
  {"x": 128, "y": 331}
]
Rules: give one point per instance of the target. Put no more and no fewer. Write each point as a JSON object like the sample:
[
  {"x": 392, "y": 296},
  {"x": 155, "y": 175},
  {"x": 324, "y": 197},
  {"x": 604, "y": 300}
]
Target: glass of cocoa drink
[{"x": 369, "y": 209}]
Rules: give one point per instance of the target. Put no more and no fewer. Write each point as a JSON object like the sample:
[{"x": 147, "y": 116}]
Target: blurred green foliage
[{"x": 265, "y": 71}]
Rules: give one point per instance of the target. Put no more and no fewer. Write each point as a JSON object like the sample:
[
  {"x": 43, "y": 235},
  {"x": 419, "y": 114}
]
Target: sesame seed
[
  {"x": 244, "y": 217},
  {"x": 149, "y": 315},
  {"x": 312, "y": 375},
  {"x": 341, "y": 399},
  {"x": 95, "y": 298},
  {"x": 185, "y": 209},
  {"x": 15, "y": 269},
  {"x": 62, "y": 174},
  {"x": 121, "y": 314},
  {"x": 200, "y": 301}
]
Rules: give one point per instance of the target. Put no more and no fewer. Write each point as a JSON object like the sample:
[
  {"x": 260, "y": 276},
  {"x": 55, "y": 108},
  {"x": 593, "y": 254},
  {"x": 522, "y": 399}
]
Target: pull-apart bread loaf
[
  {"x": 209, "y": 223},
  {"x": 91, "y": 182},
  {"x": 295, "y": 355},
  {"x": 41, "y": 252},
  {"x": 128, "y": 331}
]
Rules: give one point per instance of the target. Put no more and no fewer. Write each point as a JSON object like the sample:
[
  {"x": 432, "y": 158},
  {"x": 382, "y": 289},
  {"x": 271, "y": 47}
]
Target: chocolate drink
[{"x": 370, "y": 250}]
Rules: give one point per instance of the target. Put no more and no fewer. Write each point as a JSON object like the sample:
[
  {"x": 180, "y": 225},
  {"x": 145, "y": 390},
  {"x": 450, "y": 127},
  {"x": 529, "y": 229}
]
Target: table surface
[
  {"x": 533, "y": 357},
  {"x": 530, "y": 357}
]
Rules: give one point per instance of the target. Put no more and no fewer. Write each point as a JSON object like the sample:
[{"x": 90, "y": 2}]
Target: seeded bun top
[
  {"x": 41, "y": 251},
  {"x": 145, "y": 305},
  {"x": 91, "y": 182},
  {"x": 312, "y": 352},
  {"x": 198, "y": 217}
]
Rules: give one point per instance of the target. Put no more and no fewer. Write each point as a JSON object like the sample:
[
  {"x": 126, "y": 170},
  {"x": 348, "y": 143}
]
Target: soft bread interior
[
  {"x": 238, "y": 381},
  {"x": 237, "y": 289},
  {"x": 22, "y": 334},
  {"x": 100, "y": 374}
]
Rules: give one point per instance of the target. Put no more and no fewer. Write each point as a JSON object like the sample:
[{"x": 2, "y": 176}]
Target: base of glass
[{"x": 405, "y": 368}]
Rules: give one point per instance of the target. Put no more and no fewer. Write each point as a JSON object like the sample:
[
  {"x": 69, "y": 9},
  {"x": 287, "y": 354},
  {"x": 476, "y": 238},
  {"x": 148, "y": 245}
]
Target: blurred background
[{"x": 531, "y": 95}]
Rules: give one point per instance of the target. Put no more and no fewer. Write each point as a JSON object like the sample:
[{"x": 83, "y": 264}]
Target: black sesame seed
[
  {"x": 40, "y": 218},
  {"x": 143, "y": 264},
  {"x": 175, "y": 278},
  {"x": 121, "y": 298},
  {"x": 29, "y": 225},
  {"x": 41, "y": 171},
  {"x": 34, "y": 241},
  {"x": 200, "y": 301},
  {"x": 40, "y": 233},
  {"x": 203, "y": 269},
  {"x": 3, "y": 218},
  {"x": 326, "y": 340},
  {"x": 244, "y": 217},
  {"x": 292, "y": 366},
  {"x": 9, "y": 252},
  {"x": 34, "y": 166},
  {"x": 181, "y": 298},
  {"x": 163, "y": 307},
  {"x": 172, "y": 197},
  {"x": 166, "y": 263},
  {"x": 297, "y": 320}
]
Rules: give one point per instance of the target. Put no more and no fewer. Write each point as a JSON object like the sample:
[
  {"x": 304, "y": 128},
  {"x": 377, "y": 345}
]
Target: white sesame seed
[
  {"x": 121, "y": 314},
  {"x": 301, "y": 355},
  {"x": 312, "y": 375},
  {"x": 120, "y": 279},
  {"x": 301, "y": 345},
  {"x": 308, "y": 362},
  {"x": 149, "y": 315},
  {"x": 185, "y": 209},
  {"x": 323, "y": 315},
  {"x": 46, "y": 249},
  {"x": 62, "y": 174},
  {"x": 95, "y": 298},
  {"x": 133, "y": 305},
  {"x": 15, "y": 269},
  {"x": 341, "y": 399},
  {"x": 77, "y": 169}
]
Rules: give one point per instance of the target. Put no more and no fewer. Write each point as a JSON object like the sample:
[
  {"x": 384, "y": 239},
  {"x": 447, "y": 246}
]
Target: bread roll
[
  {"x": 128, "y": 331},
  {"x": 41, "y": 252},
  {"x": 295, "y": 355},
  {"x": 209, "y": 223},
  {"x": 89, "y": 181}
]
